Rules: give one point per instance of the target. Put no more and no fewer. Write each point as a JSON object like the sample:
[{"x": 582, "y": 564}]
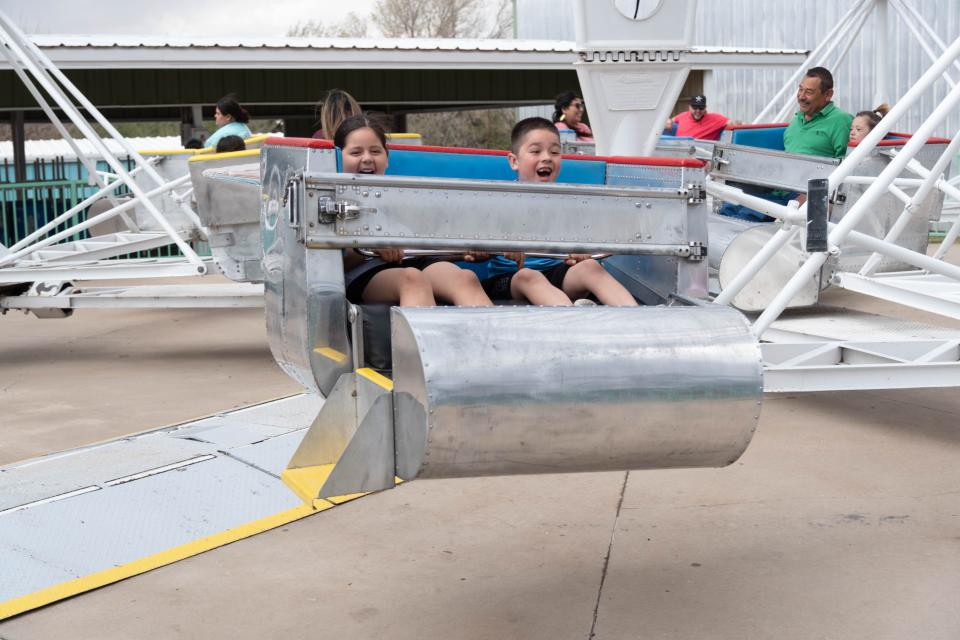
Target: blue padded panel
[
  {"x": 436, "y": 164},
  {"x": 583, "y": 171},
  {"x": 771, "y": 138}
]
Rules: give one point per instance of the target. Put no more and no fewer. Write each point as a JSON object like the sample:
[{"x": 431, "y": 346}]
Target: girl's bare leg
[
  {"x": 406, "y": 286},
  {"x": 455, "y": 285},
  {"x": 589, "y": 277},
  {"x": 534, "y": 286}
]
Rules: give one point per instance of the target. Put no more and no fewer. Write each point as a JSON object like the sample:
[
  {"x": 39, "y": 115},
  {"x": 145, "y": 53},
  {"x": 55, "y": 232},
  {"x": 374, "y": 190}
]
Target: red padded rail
[
  {"x": 906, "y": 136},
  {"x": 652, "y": 161},
  {"x": 315, "y": 143},
  {"x": 309, "y": 143}
]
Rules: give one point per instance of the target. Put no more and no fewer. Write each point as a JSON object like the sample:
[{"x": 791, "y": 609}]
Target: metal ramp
[
  {"x": 926, "y": 291},
  {"x": 74, "y": 521}
]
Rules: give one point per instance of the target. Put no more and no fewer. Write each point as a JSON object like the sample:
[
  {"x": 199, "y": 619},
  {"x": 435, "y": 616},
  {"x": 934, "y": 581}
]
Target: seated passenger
[
  {"x": 231, "y": 143},
  {"x": 231, "y": 120},
  {"x": 865, "y": 121},
  {"x": 819, "y": 128},
  {"x": 337, "y": 106},
  {"x": 697, "y": 122},
  {"x": 535, "y": 156},
  {"x": 193, "y": 143},
  {"x": 568, "y": 115},
  {"x": 391, "y": 279}
]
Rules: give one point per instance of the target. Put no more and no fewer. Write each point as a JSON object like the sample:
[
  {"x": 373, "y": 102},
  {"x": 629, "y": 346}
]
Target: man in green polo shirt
[{"x": 819, "y": 128}]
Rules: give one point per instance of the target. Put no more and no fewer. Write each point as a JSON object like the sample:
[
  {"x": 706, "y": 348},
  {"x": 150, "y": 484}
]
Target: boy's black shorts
[
  {"x": 498, "y": 287},
  {"x": 356, "y": 285}
]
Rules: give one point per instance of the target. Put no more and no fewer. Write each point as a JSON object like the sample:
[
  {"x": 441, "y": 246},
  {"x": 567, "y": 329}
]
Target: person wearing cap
[{"x": 698, "y": 123}]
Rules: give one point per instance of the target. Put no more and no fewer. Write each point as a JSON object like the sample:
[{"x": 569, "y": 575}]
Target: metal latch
[
  {"x": 331, "y": 210},
  {"x": 698, "y": 252}
]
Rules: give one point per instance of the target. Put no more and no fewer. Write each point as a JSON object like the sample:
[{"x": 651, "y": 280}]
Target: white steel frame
[
  {"x": 811, "y": 365},
  {"x": 839, "y": 40},
  {"x": 28, "y": 61}
]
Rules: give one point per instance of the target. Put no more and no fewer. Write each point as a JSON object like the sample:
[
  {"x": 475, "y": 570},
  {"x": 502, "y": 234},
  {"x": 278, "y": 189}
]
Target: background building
[{"x": 741, "y": 93}]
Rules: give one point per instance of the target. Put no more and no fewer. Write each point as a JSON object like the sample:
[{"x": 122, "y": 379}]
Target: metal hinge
[
  {"x": 331, "y": 210},
  {"x": 698, "y": 193},
  {"x": 698, "y": 252}
]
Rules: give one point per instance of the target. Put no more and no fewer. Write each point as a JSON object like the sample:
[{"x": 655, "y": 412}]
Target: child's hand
[
  {"x": 574, "y": 258},
  {"x": 476, "y": 256},
  {"x": 390, "y": 255},
  {"x": 516, "y": 256}
]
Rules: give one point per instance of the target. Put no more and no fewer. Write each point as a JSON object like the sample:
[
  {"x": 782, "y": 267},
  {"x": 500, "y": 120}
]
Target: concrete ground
[{"x": 842, "y": 520}]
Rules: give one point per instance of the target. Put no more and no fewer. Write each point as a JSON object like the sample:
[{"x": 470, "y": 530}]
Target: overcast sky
[{"x": 176, "y": 17}]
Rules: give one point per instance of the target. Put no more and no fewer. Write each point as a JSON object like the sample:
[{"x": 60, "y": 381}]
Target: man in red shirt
[{"x": 697, "y": 123}]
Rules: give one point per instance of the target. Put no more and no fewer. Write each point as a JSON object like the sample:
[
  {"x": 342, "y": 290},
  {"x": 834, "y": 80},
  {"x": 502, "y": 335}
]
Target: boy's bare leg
[
  {"x": 455, "y": 285},
  {"x": 535, "y": 287},
  {"x": 589, "y": 277},
  {"x": 407, "y": 285}
]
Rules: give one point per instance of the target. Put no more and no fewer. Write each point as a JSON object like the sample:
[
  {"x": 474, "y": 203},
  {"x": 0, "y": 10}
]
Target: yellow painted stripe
[
  {"x": 260, "y": 137},
  {"x": 172, "y": 152},
  {"x": 142, "y": 565},
  {"x": 376, "y": 378},
  {"x": 307, "y": 481},
  {"x": 331, "y": 353},
  {"x": 403, "y": 136},
  {"x": 219, "y": 156}
]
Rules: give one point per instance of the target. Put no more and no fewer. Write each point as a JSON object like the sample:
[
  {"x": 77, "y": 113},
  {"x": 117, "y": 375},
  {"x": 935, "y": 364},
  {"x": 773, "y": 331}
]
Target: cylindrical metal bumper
[{"x": 561, "y": 389}]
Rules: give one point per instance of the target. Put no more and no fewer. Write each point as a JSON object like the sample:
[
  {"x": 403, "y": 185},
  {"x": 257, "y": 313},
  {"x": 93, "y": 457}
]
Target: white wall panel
[{"x": 742, "y": 93}]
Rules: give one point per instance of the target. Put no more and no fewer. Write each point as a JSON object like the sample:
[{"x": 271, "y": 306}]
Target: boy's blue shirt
[{"x": 500, "y": 265}]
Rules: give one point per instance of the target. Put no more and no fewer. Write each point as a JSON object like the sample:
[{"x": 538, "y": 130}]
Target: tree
[
  {"x": 442, "y": 18},
  {"x": 353, "y": 26}
]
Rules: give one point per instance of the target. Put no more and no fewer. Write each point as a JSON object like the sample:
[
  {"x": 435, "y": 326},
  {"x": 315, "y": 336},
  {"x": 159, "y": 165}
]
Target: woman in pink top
[{"x": 568, "y": 114}]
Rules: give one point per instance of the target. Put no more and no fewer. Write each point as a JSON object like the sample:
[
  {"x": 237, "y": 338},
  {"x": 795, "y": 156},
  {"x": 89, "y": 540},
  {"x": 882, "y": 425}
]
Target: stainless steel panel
[
  {"x": 886, "y": 210},
  {"x": 169, "y": 167},
  {"x": 733, "y": 245},
  {"x": 777, "y": 169},
  {"x": 304, "y": 289},
  {"x": 227, "y": 191},
  {"x": 552, "y": 390},
  {"x": 765, "y": 167},
  {"x": 425, "y": 213}
]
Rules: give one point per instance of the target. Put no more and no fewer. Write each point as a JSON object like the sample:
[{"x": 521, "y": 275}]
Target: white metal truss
[
  {"x": 40, "y": 75},
  {"x": 104, "y": 270},
  {"x": 231, "y": 295},
  {"x": 919, "y": 290},
  {"x": 834, "y": 47},
  {"x": 96, "y": 248},
  {"x": 866, "y": 358},
  {"x": 834, "y": 349}
]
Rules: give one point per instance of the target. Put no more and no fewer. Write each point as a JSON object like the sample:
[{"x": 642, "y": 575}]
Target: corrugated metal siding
[{"x": 742, "y": 93}]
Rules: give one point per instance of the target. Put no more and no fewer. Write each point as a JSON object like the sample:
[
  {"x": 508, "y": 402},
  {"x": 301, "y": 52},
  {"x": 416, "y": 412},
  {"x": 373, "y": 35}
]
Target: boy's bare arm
[
  {"x": 516, "y": 256},
  {"x": 574, "y": 258},
  {"x": 390, "y": 255}
]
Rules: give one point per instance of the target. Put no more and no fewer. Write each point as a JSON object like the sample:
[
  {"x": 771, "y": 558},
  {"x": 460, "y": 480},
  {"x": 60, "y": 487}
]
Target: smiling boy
[{"x": 535, "y": 156}]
